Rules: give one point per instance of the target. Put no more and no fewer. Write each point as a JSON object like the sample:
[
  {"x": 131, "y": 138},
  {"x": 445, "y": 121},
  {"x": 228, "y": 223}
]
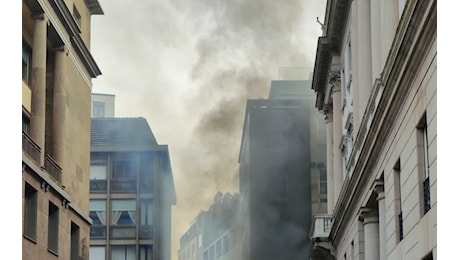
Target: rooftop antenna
[{"x": 323, "y": 27}]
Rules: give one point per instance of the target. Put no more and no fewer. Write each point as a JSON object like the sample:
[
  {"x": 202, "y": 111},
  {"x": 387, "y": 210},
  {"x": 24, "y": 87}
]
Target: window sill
[
  {"x": 30, "y": 239},
  {"x": 52, "y": 252}
]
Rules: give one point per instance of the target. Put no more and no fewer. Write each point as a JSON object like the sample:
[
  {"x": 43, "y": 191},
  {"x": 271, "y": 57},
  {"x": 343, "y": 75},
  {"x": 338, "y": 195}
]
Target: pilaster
[
  {"x": 370, "y": 218},
  {"x": 334, "y": 80}
]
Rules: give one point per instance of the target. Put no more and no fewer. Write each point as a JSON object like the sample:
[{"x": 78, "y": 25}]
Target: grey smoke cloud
[{"x": 188, "y": 67}]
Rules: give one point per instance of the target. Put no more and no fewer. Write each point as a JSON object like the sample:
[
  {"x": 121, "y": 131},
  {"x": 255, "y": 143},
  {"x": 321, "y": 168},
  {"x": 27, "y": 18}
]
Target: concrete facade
[
  {"x": 57, "y": 69},
  {"x": 102, "y": 105},
  {"x": 383, "y": 56},
  {"x": 282, "y": 157},
  {"x": 131, "y": 191}
]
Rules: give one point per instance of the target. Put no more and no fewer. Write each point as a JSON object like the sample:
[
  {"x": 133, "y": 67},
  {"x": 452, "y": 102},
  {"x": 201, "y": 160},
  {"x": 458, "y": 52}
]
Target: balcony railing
[
  {"x": 98, "y": 232},
  {"x": 146, "y": 231},
  {"x": 98, "y": 185},
  {"x": 322, "y": 225},
  {"x": 31, "y": 148},
  {"x": 123, "y": 186},
  {"x": 53, "y": 168},
  {"x": 146, "y": 185},
  {"x": 123, "y": 232}
]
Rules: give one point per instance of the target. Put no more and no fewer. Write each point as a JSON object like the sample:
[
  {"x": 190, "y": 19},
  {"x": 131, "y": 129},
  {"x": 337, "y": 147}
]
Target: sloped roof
[{"x": 121, "y": 134}]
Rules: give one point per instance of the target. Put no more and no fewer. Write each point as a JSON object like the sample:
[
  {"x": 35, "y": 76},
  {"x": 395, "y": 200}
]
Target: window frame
[
  {"x": 26, "y": 63},
  {"x": 30, "y": 212},
  {"x": 53, "y": 228}
]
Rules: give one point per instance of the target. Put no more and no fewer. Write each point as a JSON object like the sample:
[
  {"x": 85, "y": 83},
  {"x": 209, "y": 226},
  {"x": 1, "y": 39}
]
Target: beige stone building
[
  {"x": 57, "y": 68},
  {"x": 375, "y": 80}
]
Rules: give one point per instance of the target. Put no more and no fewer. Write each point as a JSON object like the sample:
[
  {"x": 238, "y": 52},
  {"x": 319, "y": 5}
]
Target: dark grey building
[
  {"x": 131, "y": 191},
  {"x": 282, "y": 166}
]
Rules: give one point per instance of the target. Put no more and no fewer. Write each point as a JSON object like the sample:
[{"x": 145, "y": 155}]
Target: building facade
[
  {"x": 57, "y": 69},
  {"x": 213, "y": 233},
  {"x": 102, "y": 105},
  {"x": 375, "y": 80},
  {"x": 131, "y": 191},
  {"x": 282, "y": 166}
]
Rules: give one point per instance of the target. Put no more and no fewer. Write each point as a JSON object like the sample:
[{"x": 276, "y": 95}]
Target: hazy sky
[{"x": 188, "y": 68}]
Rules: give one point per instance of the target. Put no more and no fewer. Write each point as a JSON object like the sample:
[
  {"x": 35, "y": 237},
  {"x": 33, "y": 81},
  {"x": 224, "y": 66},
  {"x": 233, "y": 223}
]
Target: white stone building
[{"x": 375, "y": 79}]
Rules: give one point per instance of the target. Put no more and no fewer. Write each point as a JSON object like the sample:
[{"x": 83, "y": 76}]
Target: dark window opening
[
  {"x": 53, "y": 227},
  {"x": 30, "y": 212}
]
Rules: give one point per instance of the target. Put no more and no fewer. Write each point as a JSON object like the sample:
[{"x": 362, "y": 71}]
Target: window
[
  {"x": 123, "y": 212},
  {"x": 225, "y": 243},
  {"x": 97, "y": 252},
  {"x": 123, "y": 252},
  {"x": 26, "y": 64},
  {"x": 77, "y": 15},
  {"x": 97, "y": 211},
  {"x": 98, "y": 171},
  {"x": 398, "y": 203},
  {"x": 423, "y": 162},
  {"x": 98, "y": 109},
  {"x": 322, "y": 181},
  {"x": 146, "y": 211},
  {"x": 145, "y": 252},
  {"x": 211, "y": 252},
  {"x": 25, "y": 123},
  {"x": 402, "y": 4},
  {"x": 218, "y": 249},
  {"x": 53, "y": 227},
  {"x": 30, "y": 212},
  {"x": 74, "y": 241},
  {"x": 124, "y": 169}
]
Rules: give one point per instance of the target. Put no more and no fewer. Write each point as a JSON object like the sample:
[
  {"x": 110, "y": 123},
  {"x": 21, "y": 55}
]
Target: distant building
[
  {"x": 131, "y": 191},
  {"x": 282, "y": 173},
  {"x": 213, "y": 233},
  {"x": 375, "y": 80},
  {"x": 102, "y": 105},
  {"x": 57, "y": 70}
]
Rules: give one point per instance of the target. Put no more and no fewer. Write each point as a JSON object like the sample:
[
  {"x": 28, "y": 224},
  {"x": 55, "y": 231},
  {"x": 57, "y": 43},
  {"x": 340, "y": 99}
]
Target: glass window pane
[
  {"x": 96, "y": 252},
  {"x": 98, "y": 172}
]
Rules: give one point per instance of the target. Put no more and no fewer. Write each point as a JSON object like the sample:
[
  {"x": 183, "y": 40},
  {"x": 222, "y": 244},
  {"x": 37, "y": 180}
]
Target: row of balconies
[
  {"x": 121, "y": 232},
  {"x": 33, "y": 151}
]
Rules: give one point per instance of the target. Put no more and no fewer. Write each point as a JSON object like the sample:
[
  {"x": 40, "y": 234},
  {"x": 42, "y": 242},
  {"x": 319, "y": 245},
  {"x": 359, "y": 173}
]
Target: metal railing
[
  {"x": 53, "y": 168},
  {"x": 123, "y": 232},
  {"x": 322, "y": 225},
  {"x": 146, "y": 231},
  {"x": 123, "y": 186},
  {"x": 31, "y": 148},
  {"x": 98, "y": 232},
  {"x": 98, "y": 185}
]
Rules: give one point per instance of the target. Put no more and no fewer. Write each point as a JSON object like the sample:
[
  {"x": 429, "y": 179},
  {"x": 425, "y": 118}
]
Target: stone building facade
[
  {"x": 375, "y": 80},
  {"x": 57, "y": 69}
]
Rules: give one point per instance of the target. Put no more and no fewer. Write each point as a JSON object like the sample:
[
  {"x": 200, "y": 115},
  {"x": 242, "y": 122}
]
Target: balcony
[
  {"x": 146, "y": 232},
  {"x": 98, "y": 232},
  {"x": 31, "y": 148},
  {"x": 123, "y": 186},
  {"x": 96, "y": 186},
  {"x": 321, "y": 247},
  {"x": 54, "y": 170}
]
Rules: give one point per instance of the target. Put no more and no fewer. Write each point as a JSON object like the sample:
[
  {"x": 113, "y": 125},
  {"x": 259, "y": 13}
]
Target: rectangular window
[
  {"x": 123, "y": 252},
  {"x": 146, "y": 211},
  {"x": 124, "y": 169},
  {"x": 77, "y": 15},
  {"x": 98, "y": 171},
  {"x": 219, "y": 248},
  {"x": 97, "y": 252},
  {"x": 423, "y": 162},
  {"x": 322, "y": 181},
  {"x": 97, "y": 211},
  {"x": 145, "y": 252},
  {"x": 74, "y": 241},
  {"x": 225, "y": 244},
  {"x": 98, "y": 109},
  {"x": 26, "y": 64},
  {"x": 398, "y": 201},
  {"x": 212, "y": 252},
  {"x": 53, "y": 227},
  {"x": 30, "y": 212},
  {"x": 123, "y": 212},
  {"x": 25, "y": 123}
]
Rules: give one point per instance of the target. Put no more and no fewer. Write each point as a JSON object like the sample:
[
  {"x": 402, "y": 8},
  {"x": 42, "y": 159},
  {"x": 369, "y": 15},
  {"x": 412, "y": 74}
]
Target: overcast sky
[{"x": 188, "y": 68}]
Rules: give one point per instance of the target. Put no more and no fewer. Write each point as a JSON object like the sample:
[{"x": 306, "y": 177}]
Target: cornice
[
  {"x": 72, "y": 28},
  {"x": 415, "y": 32}
]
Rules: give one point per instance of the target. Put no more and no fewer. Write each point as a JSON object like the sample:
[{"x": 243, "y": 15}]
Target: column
[
  {"x": 375, "y": 39},
  {"x": 364, "y": 55},
  {"x": 354, "y": 63},
  {"x": 38, "y": 84},
  {"x": 337, "y": 132},
  {"x": 379, "y": 190},
  {"x": 389, "y": 22},
  {"x": 370, "y": 218},
  {"x": 59, "y": 98},
  {"x": 330, "y": 167}
]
